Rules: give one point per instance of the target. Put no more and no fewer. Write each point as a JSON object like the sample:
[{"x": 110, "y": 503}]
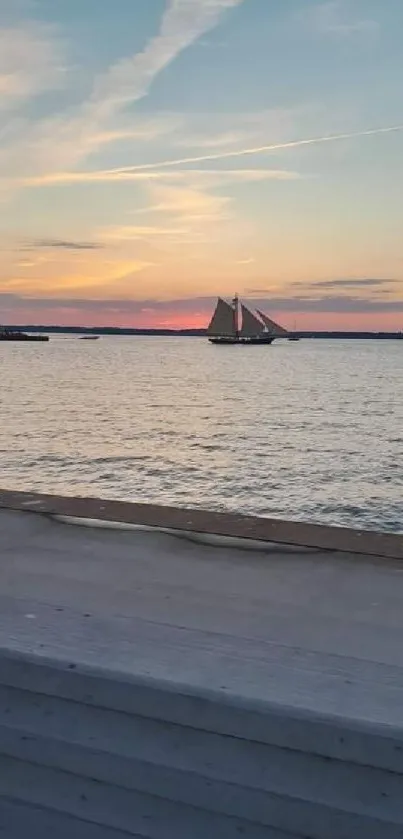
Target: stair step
[
  {"x": 20, "y": 821},
  {"x": 368, "y": 744},
  {"x": 146, "y": 754},
  {"x": 161, "y": 763},
  {"x": 121, "y": 809}
]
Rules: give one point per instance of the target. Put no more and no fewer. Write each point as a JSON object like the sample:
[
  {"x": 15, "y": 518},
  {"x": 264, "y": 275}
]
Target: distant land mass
[{"x": 191, "y": 333}]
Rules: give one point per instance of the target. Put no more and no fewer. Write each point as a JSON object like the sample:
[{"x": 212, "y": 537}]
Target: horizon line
[{"x": 199, "y": 329}]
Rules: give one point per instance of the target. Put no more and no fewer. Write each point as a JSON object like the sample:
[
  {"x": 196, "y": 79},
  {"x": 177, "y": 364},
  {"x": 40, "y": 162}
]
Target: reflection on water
[{"x": 311, "y": 431}]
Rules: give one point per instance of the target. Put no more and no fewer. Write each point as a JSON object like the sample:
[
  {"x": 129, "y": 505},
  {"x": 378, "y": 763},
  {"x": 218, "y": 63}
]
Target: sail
[
  {"x": 271, "y": 325},
  {"x": 251, "y": 326},
  {"x": 222, "y": 322}
]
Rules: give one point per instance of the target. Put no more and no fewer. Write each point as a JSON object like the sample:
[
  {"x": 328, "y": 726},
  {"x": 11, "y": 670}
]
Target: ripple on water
[{"x": 310, "y": 433}]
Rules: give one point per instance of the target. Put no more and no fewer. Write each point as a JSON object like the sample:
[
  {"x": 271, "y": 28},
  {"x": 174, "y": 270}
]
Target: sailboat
[
  {"x": 294, "y": 337},
  {"x": 272, "y": 326},
  {"x": 225, "y": 327}
]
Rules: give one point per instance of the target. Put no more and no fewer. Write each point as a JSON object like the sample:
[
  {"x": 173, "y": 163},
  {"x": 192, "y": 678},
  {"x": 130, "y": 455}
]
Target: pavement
[{"x": 283, "y": 622}]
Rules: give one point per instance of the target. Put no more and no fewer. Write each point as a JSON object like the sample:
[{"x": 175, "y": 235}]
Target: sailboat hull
[{"x": 258, "y": 341}]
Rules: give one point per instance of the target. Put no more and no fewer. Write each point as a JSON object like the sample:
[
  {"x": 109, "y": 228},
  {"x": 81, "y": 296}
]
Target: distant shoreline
[{"x": 190, "y": 333}]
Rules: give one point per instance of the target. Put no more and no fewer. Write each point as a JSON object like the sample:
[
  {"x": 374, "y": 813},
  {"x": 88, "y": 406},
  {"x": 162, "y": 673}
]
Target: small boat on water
[
  {"x": 294, "y": 337},
  {"x": 16, "y": 335},
  {"x": 89, "y": 337},
  {"x": 227, "y": 327}
]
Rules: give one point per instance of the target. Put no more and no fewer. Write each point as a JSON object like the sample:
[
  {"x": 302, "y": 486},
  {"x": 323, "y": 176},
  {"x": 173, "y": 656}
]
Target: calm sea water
[{"x": 310, "y": 431}]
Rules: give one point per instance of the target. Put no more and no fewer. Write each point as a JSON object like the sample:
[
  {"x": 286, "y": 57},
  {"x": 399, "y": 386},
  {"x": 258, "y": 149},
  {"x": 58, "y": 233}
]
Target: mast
[{"x": 235, "y": 305}]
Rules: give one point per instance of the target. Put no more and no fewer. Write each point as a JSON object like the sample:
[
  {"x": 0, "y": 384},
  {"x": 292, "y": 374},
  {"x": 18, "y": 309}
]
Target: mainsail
[
  {"x": 251, "y": 326},
  {"x": 222, "y": 322},
  {"x": 271, "y": 325}
]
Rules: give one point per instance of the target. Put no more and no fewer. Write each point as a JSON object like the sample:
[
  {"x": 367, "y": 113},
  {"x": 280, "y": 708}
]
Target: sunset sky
[{"x": 157, "y": 153}]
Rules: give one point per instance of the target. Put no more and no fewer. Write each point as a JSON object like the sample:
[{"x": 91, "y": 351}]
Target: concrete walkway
[
  {"x": 316, "y": 630},
  {"x": 301, "y": 635}
]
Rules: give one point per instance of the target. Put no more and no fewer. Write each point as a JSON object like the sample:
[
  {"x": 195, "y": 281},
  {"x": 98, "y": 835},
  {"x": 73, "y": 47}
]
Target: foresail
[
  {"x": 251, "y": 326},
  {"x": 222, "y": 322},
  {"x": 271, "y": 325}
]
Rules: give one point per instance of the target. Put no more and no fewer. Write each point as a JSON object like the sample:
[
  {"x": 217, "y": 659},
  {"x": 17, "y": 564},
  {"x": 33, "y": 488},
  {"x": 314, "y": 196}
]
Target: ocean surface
[{"x": 309, "y": 431}]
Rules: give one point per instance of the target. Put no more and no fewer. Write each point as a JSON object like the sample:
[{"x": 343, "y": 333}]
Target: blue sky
[{"x": 153, "y": 155}]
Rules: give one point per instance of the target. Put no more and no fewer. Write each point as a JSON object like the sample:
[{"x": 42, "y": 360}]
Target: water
[{"x": 310, "y": 431}]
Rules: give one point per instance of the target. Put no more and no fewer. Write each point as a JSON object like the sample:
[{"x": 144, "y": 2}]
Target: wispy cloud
[
  {"x": 63, "y": 244},
  {"x": 64, "y": 141},
  {"x": 349, "y": 286},
  {"x": 258, "y": 150},
  {"x": 334, "y": 18},
  {"x": 31, "y": 62},
  {"x": 187, "y": 203},
  {"x": 149, "y": 171},
  {"x": 335, "y": 303},
  {"x": 240, "y": 128},
  {"x": 213, "y": 177},
  {"x": 83, "y": 278},
  {"x": 133, "y": 232},
  {"x": 122, "y": 305},
  {"x": 352, "y": 283},
  {"x": 145, "y": 129},
  {"x": 183, "y": 23},
  {"x": 215, "y": 141},
  {"x": 186, "y": 195}
]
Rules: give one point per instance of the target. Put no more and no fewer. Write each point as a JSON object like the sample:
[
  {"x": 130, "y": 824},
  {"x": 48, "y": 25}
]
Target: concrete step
[
  {"x": 120, "y": 808},
  {"x": 20, "y": 821},
  {"x": 284, "y": 810},
  {"x": 77, "y": 753},
  {"x": 195, "y": 767},
  {"x": 352, "y": 741}
]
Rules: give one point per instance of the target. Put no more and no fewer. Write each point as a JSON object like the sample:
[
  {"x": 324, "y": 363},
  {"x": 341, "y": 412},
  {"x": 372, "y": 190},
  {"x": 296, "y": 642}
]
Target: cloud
[
  {"x": 335, "y": 303},
  {"x": 324, "y": 303},
  {"x": 31, "y": 62},
  {"x": 332, "y": 18},
  {"x": 64, "y": 244},
  {"x": 215, "y": 177},
  {"x": 239, "y": 128},
  {"x": 203, "y": 305},
  {"x": 350, "y": 283},
  {"x": 144, "y": 171},
  {"x": 257, "y": 150},
  {"x": 116, "y": 305},
  {"x": 149, "y": 129},
  {"x": 61, "y": 142},
  {"x": 226, "y": 138},
  {"x": 132, "y": 233},
  {"x": 183, "y": 23},
  {"x": 187, "y": 203},
  {"x": 187, "y": 197}
]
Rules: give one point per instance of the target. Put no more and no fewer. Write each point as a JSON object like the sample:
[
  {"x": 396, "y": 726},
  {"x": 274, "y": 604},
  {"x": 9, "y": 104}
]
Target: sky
[{"x": 157, "y": 153}]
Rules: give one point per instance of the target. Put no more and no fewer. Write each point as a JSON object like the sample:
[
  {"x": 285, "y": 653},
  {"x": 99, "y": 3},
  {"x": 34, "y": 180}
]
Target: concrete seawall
[{"x": 193, "y": 683}]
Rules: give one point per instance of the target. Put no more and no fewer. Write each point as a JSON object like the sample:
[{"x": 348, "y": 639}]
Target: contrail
[{"x": 292, "y": 144}]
